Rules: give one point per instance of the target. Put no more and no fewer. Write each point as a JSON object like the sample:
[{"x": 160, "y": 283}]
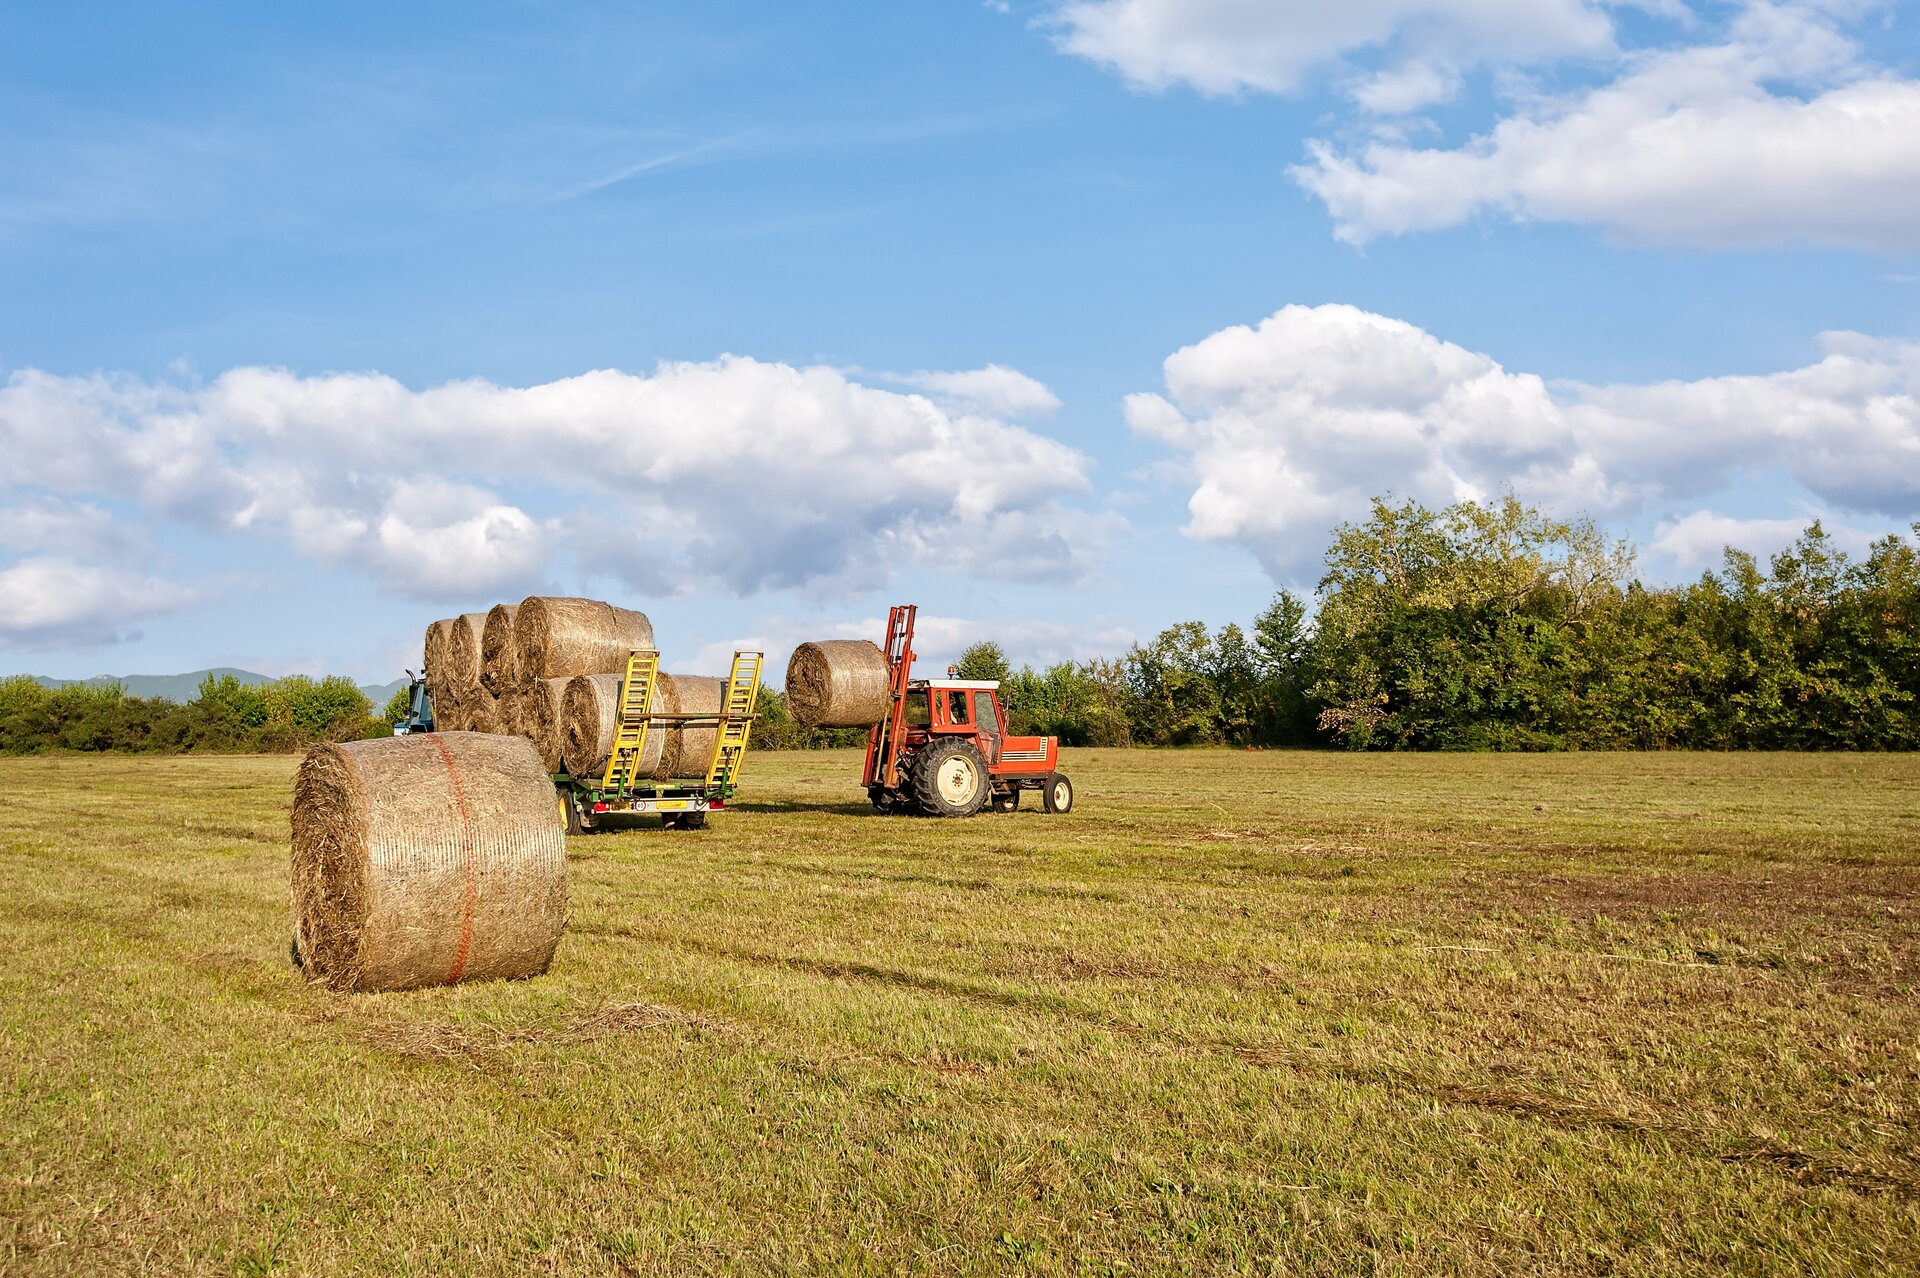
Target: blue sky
[{"x": 1065, "y": 321}]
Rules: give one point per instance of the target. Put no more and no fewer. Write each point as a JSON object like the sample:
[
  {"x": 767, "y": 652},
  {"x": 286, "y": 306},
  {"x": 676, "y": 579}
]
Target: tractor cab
[{"x": 945, "y": 749}]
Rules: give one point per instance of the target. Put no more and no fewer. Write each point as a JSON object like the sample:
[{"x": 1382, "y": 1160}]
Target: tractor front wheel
[
  {"x": 950, "y": 778},
  {"x": 1057, "y": 793}
]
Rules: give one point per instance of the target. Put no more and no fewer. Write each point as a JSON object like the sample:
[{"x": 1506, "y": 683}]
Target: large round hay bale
[
  {"x": 426, "y": 860},
  {"x": 499, "y": 669},
  {"x": 838, "y": 683},
  {"x": 687, "y": 751},
  {"x": 560, "y": 638},
  {"x": 466, "y": 635},
  {"x": 544, "y": 718},
  {"x": 589, "y": 718}
]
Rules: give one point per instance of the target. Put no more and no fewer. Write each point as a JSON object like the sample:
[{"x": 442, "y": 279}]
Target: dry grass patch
[{"x": 1235, "y": 1014}]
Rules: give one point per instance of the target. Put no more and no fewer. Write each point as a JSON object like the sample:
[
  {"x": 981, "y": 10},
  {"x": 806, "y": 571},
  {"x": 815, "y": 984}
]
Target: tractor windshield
[{"x": 917, "y": 708}]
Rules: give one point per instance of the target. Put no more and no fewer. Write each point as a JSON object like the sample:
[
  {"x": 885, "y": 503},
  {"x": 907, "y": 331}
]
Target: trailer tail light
[{"x": 599, "y": 807}]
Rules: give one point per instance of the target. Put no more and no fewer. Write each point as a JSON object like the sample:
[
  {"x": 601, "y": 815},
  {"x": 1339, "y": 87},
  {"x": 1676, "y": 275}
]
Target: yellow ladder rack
[
  {"x": 736, "y": 721},
  {"x": 636, "y": 699}
]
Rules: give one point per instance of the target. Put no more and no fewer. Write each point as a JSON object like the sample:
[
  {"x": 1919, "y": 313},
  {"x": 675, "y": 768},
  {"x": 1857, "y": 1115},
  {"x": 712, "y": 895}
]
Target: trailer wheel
[
  {"x": 570, "y": 814},
  {"x": 950, "y": 778},
  {"x": 1057, "y": 794},
  {"x": 686, "y": 820},
  {"x": 1009, "y": 801}
]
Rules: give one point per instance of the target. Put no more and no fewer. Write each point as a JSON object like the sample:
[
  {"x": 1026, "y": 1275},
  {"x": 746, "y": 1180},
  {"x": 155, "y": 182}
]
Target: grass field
[{"x": 1298, "y": 1013}]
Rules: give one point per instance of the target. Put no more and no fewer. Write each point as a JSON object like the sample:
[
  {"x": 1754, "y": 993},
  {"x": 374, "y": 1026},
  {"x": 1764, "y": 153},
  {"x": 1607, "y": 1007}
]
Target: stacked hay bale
[
  {"x": 590, "y": 716},
  {"x": 549, "y": 669},
  {"x": 426, "y": 860},
  {"x": 452, "y": 665}
]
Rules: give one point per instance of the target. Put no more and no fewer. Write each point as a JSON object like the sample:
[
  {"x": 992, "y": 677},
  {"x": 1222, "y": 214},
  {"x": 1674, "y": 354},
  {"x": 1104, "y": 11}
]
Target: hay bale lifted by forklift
[{"x": 943, "y": 748}]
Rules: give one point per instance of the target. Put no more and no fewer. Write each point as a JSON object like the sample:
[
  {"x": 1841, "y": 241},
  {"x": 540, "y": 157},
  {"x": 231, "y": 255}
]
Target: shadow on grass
[{"x": 785, "y": 805}]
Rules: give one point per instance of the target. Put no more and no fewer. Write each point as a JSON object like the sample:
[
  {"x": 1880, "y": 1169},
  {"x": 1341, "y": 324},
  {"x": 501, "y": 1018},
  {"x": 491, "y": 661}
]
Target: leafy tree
[
  {"x": 982, "y": 661},
  {"x": 398, "y": 706}
]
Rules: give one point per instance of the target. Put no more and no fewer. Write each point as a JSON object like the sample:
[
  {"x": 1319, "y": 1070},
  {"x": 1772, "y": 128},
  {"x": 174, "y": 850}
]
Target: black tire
[
  {"x": 293, "y": 952},
  {"x": 1057, "y": 794},
  {"x": 686, "y": 820},
  {"x": 940, "y": 771},
  {"x": 882, "y": 799},
  {"x": 1007, "y": 802}
]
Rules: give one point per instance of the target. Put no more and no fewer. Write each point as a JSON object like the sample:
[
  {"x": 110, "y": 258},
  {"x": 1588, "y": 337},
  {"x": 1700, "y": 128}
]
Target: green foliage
[
  {"x": 224, "y": 715},
  {"x": 1495, "y": 627},
  {"x": 398, "y": 707},
  {"x": 774, "y": 728},
  {"x": 982, "y": 661}
]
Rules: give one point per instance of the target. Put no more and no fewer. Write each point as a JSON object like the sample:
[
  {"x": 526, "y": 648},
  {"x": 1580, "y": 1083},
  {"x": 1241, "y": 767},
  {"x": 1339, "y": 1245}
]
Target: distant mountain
[{"x": 182, "y": 687}]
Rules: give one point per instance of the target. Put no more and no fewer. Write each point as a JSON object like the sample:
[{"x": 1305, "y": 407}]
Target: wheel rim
[
  {"x": 956, "y": 780},
  {"x": 1061, "y": 794}
]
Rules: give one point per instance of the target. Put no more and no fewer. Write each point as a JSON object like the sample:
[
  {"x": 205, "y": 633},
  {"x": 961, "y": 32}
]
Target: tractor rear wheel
[
  {"x": 1057, "y": 793},
  {"x": 950, "y": 778}
]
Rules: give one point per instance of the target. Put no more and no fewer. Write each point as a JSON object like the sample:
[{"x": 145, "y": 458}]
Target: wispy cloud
[{"x": 651, "y": 165}]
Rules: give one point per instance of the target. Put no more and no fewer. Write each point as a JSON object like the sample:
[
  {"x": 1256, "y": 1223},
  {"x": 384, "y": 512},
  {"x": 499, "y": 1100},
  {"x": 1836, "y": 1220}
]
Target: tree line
[
  {"x": 223, "y": 716},
  {"x": 1495, "y": 627},
  {"x": 1483, "y": 626}
]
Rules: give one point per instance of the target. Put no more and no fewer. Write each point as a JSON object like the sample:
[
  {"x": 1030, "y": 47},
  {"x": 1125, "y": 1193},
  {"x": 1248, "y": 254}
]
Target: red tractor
[{"x": 943, "y": 748}]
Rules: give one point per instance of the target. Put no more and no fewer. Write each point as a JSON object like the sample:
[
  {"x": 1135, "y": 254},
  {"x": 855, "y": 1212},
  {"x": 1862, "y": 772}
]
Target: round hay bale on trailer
[
  {"x": 435, "y": 656},
  {"x": 476, "y": 712},
  {"x": 541, "y": 712},
  {"x": 426, "y": 860},
  {"x": 449, "y": 712},
  {"x": 686, "y": 751},
  {"x": 561, "y": 638},
  {"x": 589, "y": 718},
  {"x": 466, "y": 635},
  {"x": 838, "y": 683},
  {"x": 499, "y": 669},
  {"x": 506, "y": 714}
]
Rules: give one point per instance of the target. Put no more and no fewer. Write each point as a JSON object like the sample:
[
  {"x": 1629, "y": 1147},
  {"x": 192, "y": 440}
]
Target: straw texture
[
  {"x": 686, "y": 751},
  {"x": 560, "y": 638},
  {"x": 590, "y": 716},
  {"x": 838, "y": 683},
  {"x": 465, "y": 636},
  {"x": 426, "y": 860},
  {"x": 541, "y": 712},
  {"x": 499, "y": 667}
]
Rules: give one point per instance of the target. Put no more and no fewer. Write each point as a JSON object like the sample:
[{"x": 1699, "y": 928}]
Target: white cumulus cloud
[
  {"x": 1699, "y": 538},
  {"x": 1289, "y": 427},
  {"x": 750, "y": 474},
  {"x": 1272, "y": 46},
  {"x": 995, "y": 390},
  {"x": 1777, "y": 134},
  {"x": 49, "y": 600}
]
